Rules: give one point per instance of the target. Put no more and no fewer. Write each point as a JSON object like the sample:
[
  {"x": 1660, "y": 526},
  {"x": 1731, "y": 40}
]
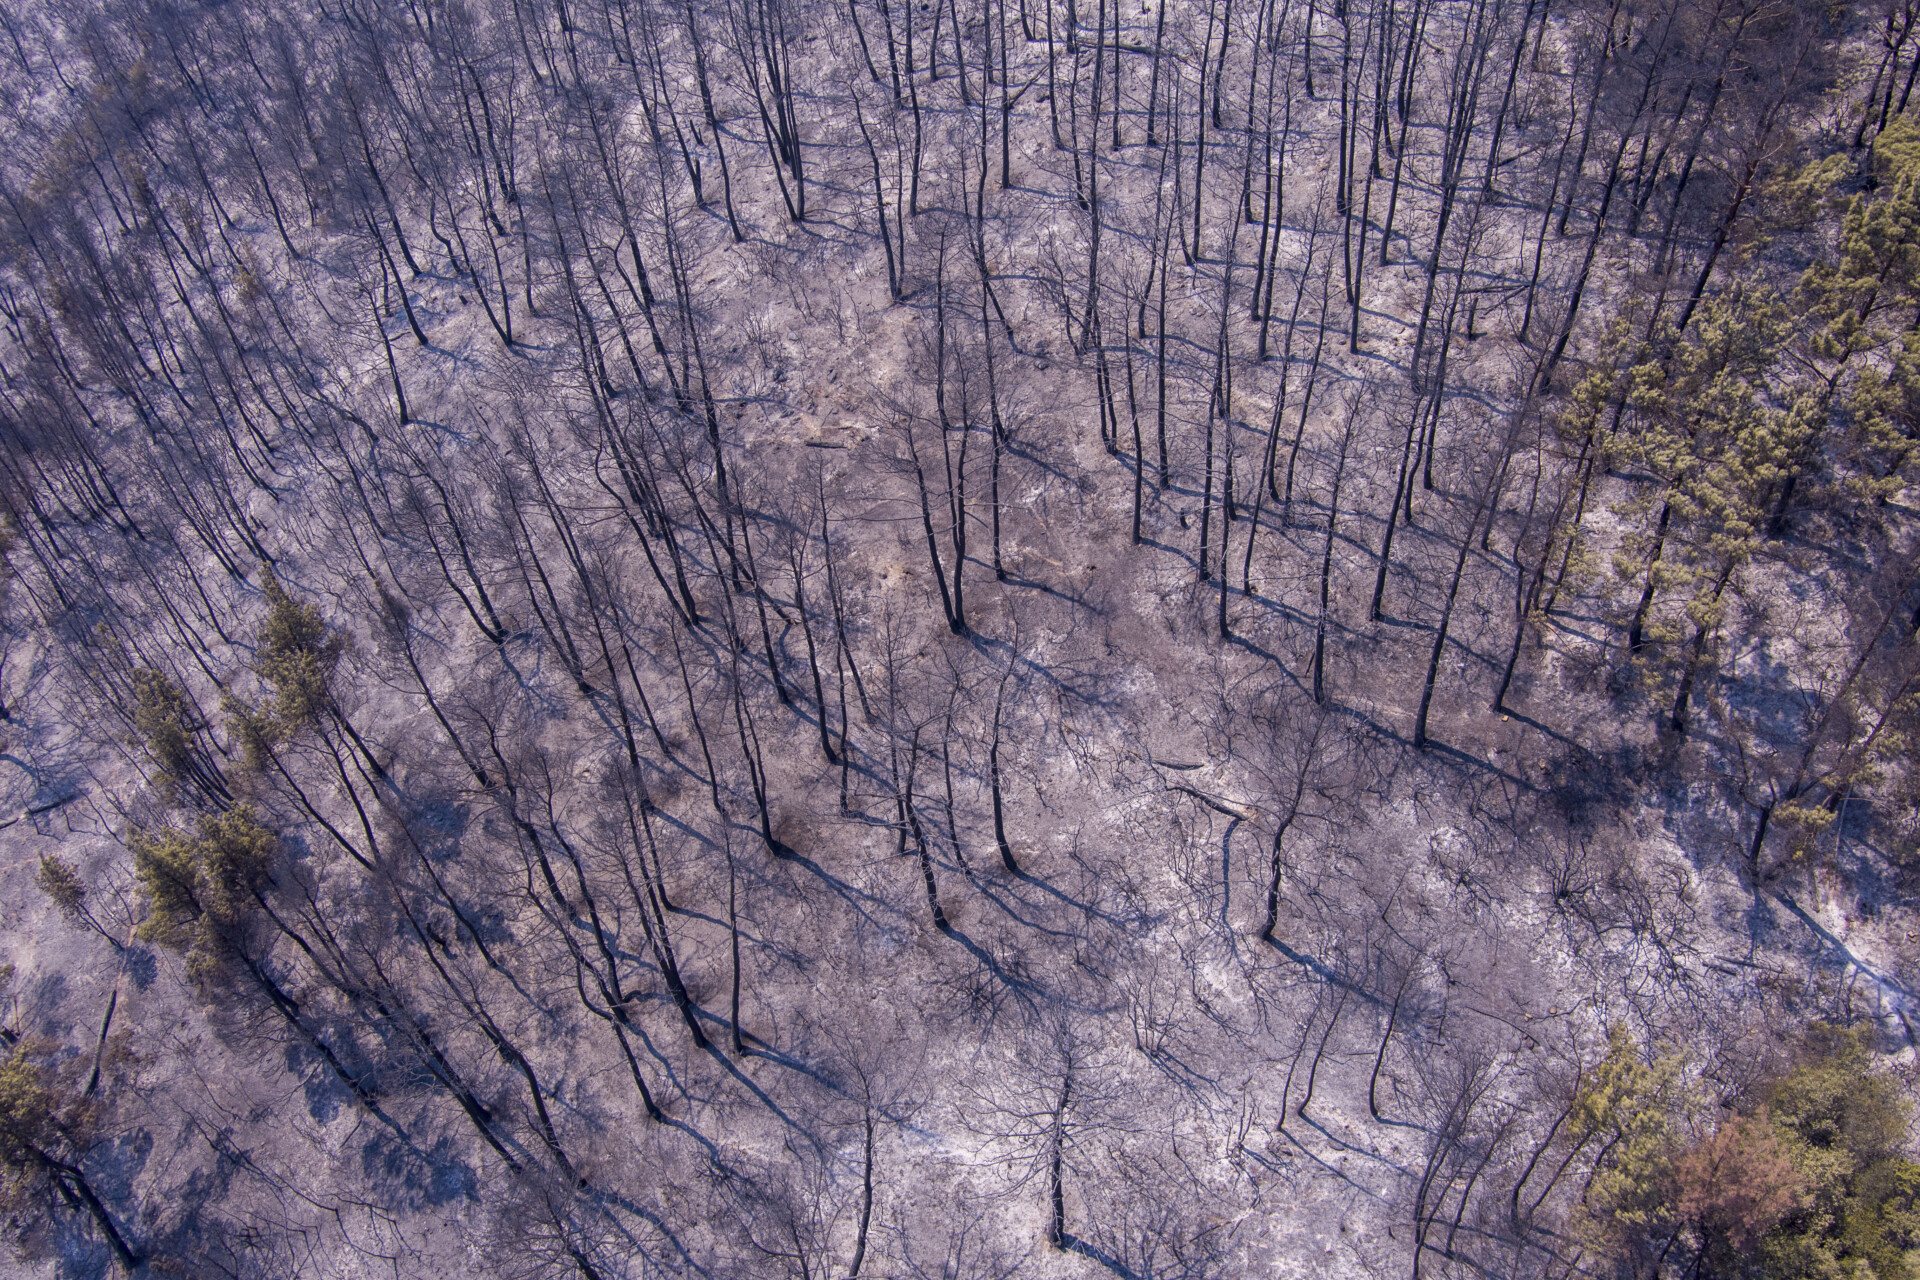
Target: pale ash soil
[{"x": 1503, "y": 897}]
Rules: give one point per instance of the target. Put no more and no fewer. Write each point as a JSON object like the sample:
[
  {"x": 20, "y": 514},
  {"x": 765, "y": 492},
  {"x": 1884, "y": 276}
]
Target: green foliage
[
  {"x": 199, "y": 886},
  {"x": 39, "y": 1116},
  {"x": 1896, "y": 149},
  {"x": 1705, "y": 416},
  {"x": 26, "y": 1118},
  {"x": 164, "y": 862},
  {"x": 1844, "y": 1127},
  {"x": 1627, "y": 1107},
  {"x": 68, "y": 892},
  {"x": 252, "y": 729},
  {"x": 61, "y": 883},
  {"x": 1806, "y": 194},
  {"x": 1705, "y": 420},
  {"x": 1808, "y": 1184},
  {"x": 1767, "y": 399},
  {"x": 1882, "y": 408},
  {"x": 1863, "y": 337},
  {"x": 1802, "y": 824},
  {"x": 161, "y": 715},
  {"x": 1733, "y": 1186},
  {"x": 26, "y": 1105},
  {"x": 295, "y": 654},
  {"x": 1878, "y": 268},
  {"x": 47, "y": 1126}
]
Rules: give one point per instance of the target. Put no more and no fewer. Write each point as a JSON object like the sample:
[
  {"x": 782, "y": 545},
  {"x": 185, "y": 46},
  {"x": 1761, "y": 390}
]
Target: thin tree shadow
[
  {"x": 606, "y": 1195},
  {"x": 1015, "y": 580},
  {"x": 733, "y": 1070},
  {"x": 1902, "y": 993},
  {"x": 1176, "y": 552},
  {"x": 1332, "y": 1169},
  {"x": 1074, "y": 1244},
  {"x": 1555, "y": 734},
  {"x": 1253, "y": 647},
  {"x": 1002, "y": 903},
  {"x": 1474, "y": 762},
  {"x": 855, "y": 898},
  {"x": 1013, "y": 982},
  {"x": 1318, "y": 967},
  {"x": 1082, "y": 907},
  {"x": 1355, "y": 1148}
]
